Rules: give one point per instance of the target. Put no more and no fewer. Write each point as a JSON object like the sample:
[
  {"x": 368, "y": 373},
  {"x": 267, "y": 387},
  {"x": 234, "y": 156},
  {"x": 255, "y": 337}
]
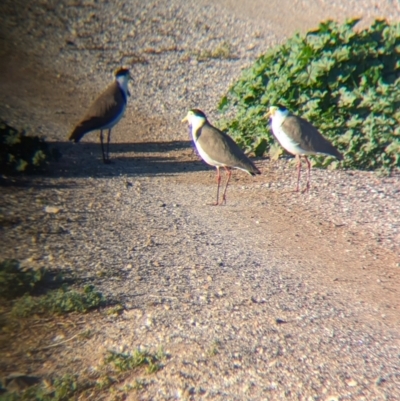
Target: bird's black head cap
[
  {"x": 121, "y": 71},
  {"x": 198, "y": 112},
  {"x": 281, "y": 107}
]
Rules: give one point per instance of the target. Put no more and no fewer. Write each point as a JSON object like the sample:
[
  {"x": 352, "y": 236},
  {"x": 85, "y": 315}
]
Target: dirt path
[{"x": 274, "y": 296}]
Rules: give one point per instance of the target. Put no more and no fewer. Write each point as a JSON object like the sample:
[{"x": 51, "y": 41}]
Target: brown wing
[
  {"x": 223, "y": 149},
  {"x": 102, "y": 111},
  {"x": 308, "y": 137}
]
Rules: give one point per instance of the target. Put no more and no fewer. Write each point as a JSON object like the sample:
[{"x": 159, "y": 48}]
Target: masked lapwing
[
  {"x": 300, "y": 138},
  {"x": 217, "y": 149},
  {"x": 106, "y": 111}
]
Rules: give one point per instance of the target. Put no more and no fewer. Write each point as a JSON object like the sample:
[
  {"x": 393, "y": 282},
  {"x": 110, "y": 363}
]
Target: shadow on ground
[{"x": 145, "y": 158}]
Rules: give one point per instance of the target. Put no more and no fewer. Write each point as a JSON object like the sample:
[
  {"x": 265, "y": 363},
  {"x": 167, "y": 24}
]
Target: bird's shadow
[{"x": 84, "y": 159}]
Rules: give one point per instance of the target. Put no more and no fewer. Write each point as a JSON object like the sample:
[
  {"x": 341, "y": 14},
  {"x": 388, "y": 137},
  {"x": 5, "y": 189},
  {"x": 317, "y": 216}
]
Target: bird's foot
[
  {"x": 223, "y": 202},
  {"x": 217, "y": 203}
]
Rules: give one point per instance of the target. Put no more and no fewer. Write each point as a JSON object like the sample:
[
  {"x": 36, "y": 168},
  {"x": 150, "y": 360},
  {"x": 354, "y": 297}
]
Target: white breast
[
  {"x": 286, "y": 142},
  {"x": 197, "y": 123},
  {"x": 205, "y": 157}
]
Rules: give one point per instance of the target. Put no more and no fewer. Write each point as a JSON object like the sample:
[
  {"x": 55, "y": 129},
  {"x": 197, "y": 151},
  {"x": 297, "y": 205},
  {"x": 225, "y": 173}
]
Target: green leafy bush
[
  {"x": 346, "y": 83},
  {"x": 123, "y": 362},
  {"x": 74, "y": 387},
  {"x": 59, "y": 301},
  {"x": 21, "y": 153},
  {"x": 63, "y": 388},
  {"x": 15, "y": 281}
]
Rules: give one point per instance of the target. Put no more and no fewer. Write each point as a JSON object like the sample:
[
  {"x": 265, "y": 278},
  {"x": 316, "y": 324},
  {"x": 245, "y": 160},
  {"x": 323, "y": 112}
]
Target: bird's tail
[
  {"x": 254, "y": 171},
  {"x": 337, "y": 154},
  {"x": 77, "y": 134}
]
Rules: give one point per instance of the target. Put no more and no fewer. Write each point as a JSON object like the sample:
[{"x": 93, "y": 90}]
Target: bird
[
  {"x": 106, "y": 111},
  {"x": 300, "y": 138},
  {"x": 217, "y": 149}
]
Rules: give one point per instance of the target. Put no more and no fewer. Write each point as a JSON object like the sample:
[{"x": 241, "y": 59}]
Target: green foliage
[
  {"x": 215, "y": 348},
  {"x": 124, "y": 362},
  {"x": 222, "y": 51},
  {"x": 15, "y": 281},
  {"x": 18, "y": 282},
  {"x": 62, "y": 389},
  {"x": 74, "y": 387},
  {"x": 59, "y": 301},
  {"x": 21, "y": 153},
  {"x": 346, "y": 83}
]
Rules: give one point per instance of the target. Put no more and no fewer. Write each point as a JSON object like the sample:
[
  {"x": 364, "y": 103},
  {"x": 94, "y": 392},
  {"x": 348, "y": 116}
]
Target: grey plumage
[
  {"x": 217, "y": 149},
  {"x": 101, "y": 113},
  {"x": 308, "y": 137},
  {"x": 299, "y": 137},
  {"x": 105, "y": 112}
]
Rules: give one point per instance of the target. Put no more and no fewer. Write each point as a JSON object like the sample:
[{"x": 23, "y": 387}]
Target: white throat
[
  {"x": 196, "y": 122},
  {"x": 123, "y": 83},
  {"x": 284, "y": 138},
  {"x": 279, "y": 117}
]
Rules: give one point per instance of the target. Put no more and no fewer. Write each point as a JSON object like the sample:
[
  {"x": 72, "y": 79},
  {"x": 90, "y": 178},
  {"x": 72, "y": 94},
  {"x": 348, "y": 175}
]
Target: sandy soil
[{"x": 211, "y": 285}]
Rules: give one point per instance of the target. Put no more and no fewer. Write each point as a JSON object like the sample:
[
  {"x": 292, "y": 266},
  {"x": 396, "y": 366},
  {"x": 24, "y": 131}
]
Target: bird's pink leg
[
  {"x": 218, "y": 184},
  {"x": 298, "y": 172},
  {"x": 228, "y": 173},
  {"x": 307, "y": 188}
]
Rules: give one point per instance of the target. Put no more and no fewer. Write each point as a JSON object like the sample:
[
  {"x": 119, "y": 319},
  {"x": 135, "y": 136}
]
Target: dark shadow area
[
  {"x": 138, "y": 147},
  {"x": 85, "y": 160},
  {"x": 17, "y": 383},
  {"x": 148, "y": 147},
  {"x": 145, "y": 158},
  {"x": 26, "y": 181}
]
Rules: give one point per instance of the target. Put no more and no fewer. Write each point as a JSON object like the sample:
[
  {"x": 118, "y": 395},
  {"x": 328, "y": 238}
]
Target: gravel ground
[{"x": 275, "y": 296}]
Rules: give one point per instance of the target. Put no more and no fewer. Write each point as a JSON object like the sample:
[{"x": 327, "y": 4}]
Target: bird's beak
[
  {"x": 268, "y": 114},
  {"x": 184, "y": 119}
]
